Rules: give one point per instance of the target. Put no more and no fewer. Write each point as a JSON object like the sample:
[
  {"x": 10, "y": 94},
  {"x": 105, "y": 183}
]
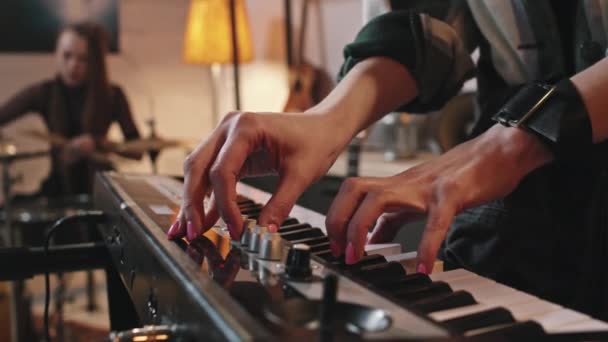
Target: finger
[
  {"x": 368, "y": 211},
  {"x": 212, "y": 214},
  {"x": 389, "y": 224},
  {"x": 177, "y": 230},
  {"x": 224, "y": 175},
  {"x": 196, "y": 169},
  {"x": 439, "y": 220},
  {"x": 290, "y": 187},
  {"x": 341, "y": 210}
]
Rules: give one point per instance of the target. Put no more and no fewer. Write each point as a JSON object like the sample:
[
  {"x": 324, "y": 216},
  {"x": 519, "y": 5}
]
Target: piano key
[
  {"x": 243, "y": 200},
  {"x": 294, "y": 227},
  {"x": 525, "y": 311},
  {"x": 289, "y": 221},
  {"x": 521, "y": 331},
  {"x": 459, "y": 312},
  {"x": 415, "y": 279},
  {"x": 248, "y": 205},
  {"x": 446, "y": 301},
  {"x": 366, "y": 260},
  {"x": 414, "y": 294},
  {"x": 554, "y": 320},
  {"x": 387, "y": 271},
  {"x": 320, "y": 247},
  {"x": 482, "y": 319},
  {"x": 469, "y": 283},
  {"x": 453, "y": 274},
  {"x": 252, "y": 210},
  {"x": 311, "y": 241},
  {"x": 302, "y": 233},
  {"x": 583, "y": 326},
  {"x": 326, "y": 255}
]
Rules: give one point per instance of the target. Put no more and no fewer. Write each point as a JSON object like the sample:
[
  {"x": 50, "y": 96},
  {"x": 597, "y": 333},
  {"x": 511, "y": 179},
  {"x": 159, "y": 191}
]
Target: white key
[
  {"x": 469, "y": 283},
  {"x": 582, "y": 326},
  {"x": 555, "y": 320},
  {"x": 454, "y": 274},
  {"x": 444, "y": 315},
  {"x": 524, "y": 311}
]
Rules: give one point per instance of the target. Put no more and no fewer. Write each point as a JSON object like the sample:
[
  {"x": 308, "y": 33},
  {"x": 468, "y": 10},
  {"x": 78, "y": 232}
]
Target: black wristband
[{"x": 558, "y": 116}]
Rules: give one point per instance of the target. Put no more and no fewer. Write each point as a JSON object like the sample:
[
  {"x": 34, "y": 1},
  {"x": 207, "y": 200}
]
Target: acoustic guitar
[{"x": 306, "y": 86}]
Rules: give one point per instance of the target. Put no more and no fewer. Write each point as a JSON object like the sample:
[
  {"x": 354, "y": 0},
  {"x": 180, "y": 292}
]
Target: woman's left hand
[
  {"x": 78, "y": 148},
  {"x": 478, "y": 171}
]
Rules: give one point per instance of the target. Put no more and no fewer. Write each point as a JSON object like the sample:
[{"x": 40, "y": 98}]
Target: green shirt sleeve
[{"x": 429, "y": 48}]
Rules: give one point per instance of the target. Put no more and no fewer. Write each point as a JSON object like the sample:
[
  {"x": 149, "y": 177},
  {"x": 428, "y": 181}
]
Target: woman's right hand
[{"x": 300, "y": 148}]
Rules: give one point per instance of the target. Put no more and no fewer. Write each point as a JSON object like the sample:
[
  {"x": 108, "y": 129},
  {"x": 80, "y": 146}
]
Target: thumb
[
  {"x": 278, "y": 207},
  {"x": 439, "y": 219}
]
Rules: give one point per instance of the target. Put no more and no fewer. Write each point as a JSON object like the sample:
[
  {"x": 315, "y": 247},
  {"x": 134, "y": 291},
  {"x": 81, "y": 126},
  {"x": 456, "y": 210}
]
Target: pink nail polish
[
  {"x": 350, "y": 258},
  {"x": 191, "y": 232},
  {"x": 335, "y": 248},
  {"x": 273, "y": 228},
  {"x": 172, "y": 230},
  {"x": 421, "y": 269}
]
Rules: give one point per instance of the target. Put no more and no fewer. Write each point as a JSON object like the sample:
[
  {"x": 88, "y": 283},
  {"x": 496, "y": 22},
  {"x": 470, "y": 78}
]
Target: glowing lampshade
[{"x": 208, "y": 38}]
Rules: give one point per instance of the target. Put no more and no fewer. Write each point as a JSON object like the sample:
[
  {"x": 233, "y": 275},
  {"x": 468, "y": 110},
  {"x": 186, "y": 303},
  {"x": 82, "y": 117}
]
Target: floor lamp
[{"x": 218, "y": 33}]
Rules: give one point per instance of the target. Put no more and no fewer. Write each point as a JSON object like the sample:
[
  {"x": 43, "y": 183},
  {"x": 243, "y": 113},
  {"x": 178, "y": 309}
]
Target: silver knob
[
  {"x": 248, "y": 226},
  {"x": 271, "y": 247},
  {"x": 256, "y": 238}
]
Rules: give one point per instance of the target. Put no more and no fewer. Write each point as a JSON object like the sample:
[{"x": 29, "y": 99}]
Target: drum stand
[{"x": 12, "y": 240}]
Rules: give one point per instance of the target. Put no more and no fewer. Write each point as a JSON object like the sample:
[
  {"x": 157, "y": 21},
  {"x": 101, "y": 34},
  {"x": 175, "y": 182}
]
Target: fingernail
[
  {"x": 421, "y": 269},
  {"x": 273, "y": 228},
  {"x": 335, "y": 247},
  {"x": 233, "y": 231},
  {"x": 191, "y": 232},
  {"x": 350, "y": 254},
  {"x": 172, "y": 230}
]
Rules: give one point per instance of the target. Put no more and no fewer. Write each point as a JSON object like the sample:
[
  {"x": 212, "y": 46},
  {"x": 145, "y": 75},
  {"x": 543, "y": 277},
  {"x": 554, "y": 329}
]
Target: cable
[{"x": 93, "y": 216}]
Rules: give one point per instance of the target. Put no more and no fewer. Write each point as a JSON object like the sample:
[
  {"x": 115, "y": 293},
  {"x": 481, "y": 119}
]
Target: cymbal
[
  {"x": 149, "y": 144},
  {"x": 132, "y": 146},
  {"x": 9, "y": 152}
]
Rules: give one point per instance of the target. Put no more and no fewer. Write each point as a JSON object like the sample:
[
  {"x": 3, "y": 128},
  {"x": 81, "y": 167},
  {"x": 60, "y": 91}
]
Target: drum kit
[{"x": 41, "y": 212}]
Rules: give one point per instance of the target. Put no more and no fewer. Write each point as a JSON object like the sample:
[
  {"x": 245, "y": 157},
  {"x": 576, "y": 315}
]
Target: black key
[
  {"x": 320, "y": 247},
  {"x": 253, "y": 216},
  {"x": 294, "y": 227},
  {"x": 386, "y": 271},
  {"x": 482, "y": 319},
  {"x": 410, "y": 280},
  {"x": 311, "y": 241},
  {"x": 367, "y": 260},
  {"x": 290, "y": 220},
  {"x": 412, "y": 294},
  {"x": 522, "y": 331},
  {"x": 248, "y": 206},
  {"x": 252, "y": 211},
  {"x": 302, "y": 233},
  {"x": 326, "y": 255},
  {"x": 242, "y": 199},
  {"x": 445, "y": 301}
]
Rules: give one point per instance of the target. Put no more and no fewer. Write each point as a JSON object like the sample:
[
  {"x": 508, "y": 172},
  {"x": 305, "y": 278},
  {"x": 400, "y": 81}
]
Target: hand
[
  {"x": 77, "y": 148},
  {"x": 478, "y": 171},
  {"x": 299, "y": 147}
]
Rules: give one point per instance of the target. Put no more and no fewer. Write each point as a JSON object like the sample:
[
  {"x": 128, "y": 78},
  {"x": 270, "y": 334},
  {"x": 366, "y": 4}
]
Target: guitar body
[
  {"x": 308, "y": 85},
  {"x": 302, "y": 79}
]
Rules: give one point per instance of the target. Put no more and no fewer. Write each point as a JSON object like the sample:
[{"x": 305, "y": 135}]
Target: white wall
[{"x": 158, "y": 83}]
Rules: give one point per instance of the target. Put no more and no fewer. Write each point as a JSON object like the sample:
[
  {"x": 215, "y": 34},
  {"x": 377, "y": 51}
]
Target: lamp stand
[{"x": 215, "y": 74}]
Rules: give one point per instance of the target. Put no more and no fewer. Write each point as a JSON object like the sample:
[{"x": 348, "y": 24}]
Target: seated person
[{"x": 80, "y": 104}]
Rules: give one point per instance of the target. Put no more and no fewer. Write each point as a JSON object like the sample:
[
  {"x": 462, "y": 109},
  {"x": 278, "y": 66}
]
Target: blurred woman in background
[{"x": 78, "y": 106}]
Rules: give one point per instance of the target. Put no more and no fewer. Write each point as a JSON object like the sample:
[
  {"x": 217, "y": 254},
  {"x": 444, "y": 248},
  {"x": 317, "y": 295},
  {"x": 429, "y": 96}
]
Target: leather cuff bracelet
[{"x": 556, "y": 114}]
